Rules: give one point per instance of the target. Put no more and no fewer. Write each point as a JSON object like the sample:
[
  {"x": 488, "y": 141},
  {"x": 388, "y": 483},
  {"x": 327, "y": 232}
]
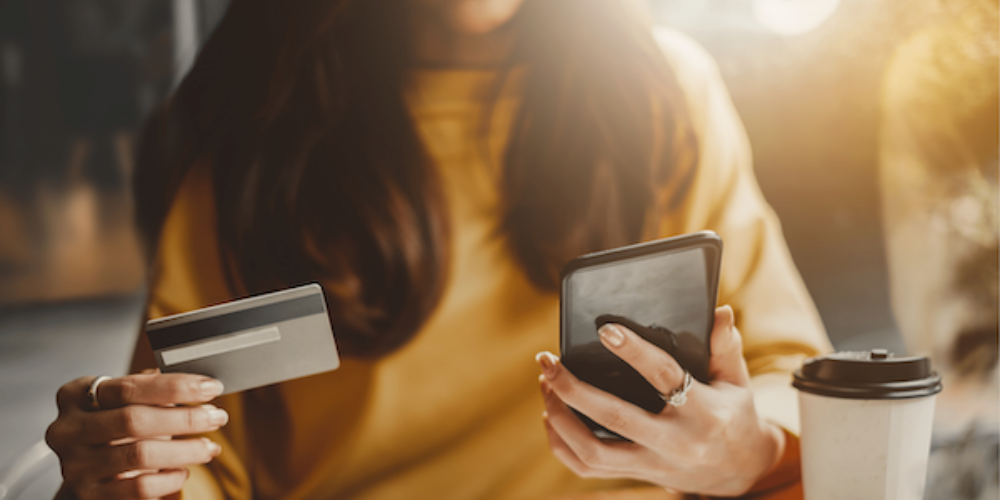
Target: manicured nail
[
  {"x": 213, "y": 447},
  {"x": 216, "y": 416},
  {"x": 612, "y": 335},
  {"x": 129, "y": 474},
  {"x": 210, "y": 388},
  {"x": 548, "y": 362}
]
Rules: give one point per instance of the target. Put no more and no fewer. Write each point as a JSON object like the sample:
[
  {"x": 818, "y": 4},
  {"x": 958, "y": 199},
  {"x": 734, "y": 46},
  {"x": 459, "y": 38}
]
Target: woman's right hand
[{"x": 128, "y": 449}]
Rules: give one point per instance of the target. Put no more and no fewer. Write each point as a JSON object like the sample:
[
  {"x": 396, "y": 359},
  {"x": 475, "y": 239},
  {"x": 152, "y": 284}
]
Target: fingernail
[
  {"x": 213, "y": 447},
  {"x": 612, "y": 335},
  {"x": 210, "y": 388},
  {"x": 548, "y": 362},
  {"x": 545, "y": 415},
  {"x": 217, "y": 416}
]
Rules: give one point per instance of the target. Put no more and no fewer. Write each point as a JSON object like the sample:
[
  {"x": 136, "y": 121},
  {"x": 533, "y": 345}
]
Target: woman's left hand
[{"x": 714, "y": 444}]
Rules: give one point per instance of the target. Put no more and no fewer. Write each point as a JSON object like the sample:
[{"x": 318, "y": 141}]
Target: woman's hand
[
  {"x": 126, "y": 449},
  {"x": 714, "y": 444}
]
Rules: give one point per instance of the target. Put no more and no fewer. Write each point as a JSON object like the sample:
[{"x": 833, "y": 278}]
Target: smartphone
[{"x": 663, "y": 290}]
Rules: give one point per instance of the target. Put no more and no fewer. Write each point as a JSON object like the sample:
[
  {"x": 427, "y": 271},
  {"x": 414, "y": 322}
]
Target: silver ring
[
  {"x": 92, "y": 391},
  {"x": 678, "y": 396}
]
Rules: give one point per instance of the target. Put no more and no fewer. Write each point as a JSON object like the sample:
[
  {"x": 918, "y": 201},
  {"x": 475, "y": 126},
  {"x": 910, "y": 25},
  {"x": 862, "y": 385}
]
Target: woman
[{"x": 433, "y": 164}]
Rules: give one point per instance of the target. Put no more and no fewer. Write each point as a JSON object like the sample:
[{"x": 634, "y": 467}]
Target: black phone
[{"x": 663, "y": 290}]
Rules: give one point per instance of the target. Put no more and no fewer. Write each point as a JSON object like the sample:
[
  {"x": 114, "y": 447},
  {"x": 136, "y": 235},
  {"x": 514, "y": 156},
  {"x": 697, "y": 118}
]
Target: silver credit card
[{"x": 250, "y": 342}]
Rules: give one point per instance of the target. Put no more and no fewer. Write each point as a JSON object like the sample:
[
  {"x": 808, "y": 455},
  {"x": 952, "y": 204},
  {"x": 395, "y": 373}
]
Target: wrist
[
  {"x": 769, "y": 450},
  {"x": 762, "y": 455},
  {"x": 775, "y": 444}
]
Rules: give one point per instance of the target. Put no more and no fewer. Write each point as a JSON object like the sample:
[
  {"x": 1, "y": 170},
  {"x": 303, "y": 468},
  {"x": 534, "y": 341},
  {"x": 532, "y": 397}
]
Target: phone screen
[{"x": 668, "y": 298}]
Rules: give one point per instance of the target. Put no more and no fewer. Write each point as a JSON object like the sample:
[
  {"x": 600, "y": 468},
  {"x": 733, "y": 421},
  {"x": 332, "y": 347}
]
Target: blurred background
[{"x": 77, "y": 78}]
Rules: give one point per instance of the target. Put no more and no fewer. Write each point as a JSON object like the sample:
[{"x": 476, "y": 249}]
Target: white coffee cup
[{"x": 866, "y": 425}]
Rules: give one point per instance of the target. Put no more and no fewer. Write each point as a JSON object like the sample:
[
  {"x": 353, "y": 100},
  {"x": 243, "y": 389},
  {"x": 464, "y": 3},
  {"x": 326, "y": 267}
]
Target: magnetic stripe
[{"x": 172, "y": 335}]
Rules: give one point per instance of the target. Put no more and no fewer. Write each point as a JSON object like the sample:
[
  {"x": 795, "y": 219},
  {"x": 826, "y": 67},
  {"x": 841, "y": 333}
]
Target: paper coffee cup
[{"x": 866, "y": 425}]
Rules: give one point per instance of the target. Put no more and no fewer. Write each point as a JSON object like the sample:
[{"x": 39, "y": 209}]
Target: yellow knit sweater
[{"x": 455, "y": 414}]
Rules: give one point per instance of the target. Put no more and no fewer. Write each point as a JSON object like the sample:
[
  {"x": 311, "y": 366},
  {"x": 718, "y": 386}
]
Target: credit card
[{"x": 251, "y": 342}]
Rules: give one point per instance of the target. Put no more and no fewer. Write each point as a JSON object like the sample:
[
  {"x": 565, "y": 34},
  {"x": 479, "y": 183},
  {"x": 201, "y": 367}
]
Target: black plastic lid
[{"x": 875, "y": 374}]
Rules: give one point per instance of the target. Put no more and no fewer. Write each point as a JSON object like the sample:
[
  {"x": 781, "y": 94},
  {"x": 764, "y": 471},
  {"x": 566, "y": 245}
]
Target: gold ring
[
  {"x": 678, "y": 396},
  {"x": 92, "y": 391}
]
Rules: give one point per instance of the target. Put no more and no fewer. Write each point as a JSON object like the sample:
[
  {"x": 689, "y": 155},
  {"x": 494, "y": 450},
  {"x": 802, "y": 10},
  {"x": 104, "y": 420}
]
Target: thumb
[{"x": 727, "y": 363}]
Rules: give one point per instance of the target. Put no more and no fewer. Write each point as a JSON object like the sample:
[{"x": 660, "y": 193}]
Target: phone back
[{"x": 664, "y": 290}]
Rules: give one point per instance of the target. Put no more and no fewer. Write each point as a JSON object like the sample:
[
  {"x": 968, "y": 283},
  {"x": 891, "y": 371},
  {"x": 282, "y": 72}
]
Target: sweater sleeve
[{"x": 774, "y": 313}]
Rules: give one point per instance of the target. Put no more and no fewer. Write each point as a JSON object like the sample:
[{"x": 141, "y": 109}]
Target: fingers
[
  {"x": 157, "y": 389},
  {"x": 606, "y": 409},
  {"x": 141, "y": 388},
  {"x": 566, "y": 455},
  {"x": 125, "y": 450},
  {"x": 150, "y": 421},
  {"x": 73, "y": 395},
  {"x": 654, "y": 364},
  {"x": 727, "y": 363},
  {"x": 577, "y": 446},
  {"x": 149, "y": 455},
  {"x": 143, "y": 486}
]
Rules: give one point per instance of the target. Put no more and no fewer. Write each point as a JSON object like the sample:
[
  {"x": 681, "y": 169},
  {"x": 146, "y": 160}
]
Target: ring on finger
[
  {"x": 678, "y": 396},
  {"x": 92, "y": 391}
]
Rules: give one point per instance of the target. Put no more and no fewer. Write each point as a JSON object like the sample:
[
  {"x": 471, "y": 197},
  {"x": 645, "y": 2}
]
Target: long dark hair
[{"x": 297, "y": 108}]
